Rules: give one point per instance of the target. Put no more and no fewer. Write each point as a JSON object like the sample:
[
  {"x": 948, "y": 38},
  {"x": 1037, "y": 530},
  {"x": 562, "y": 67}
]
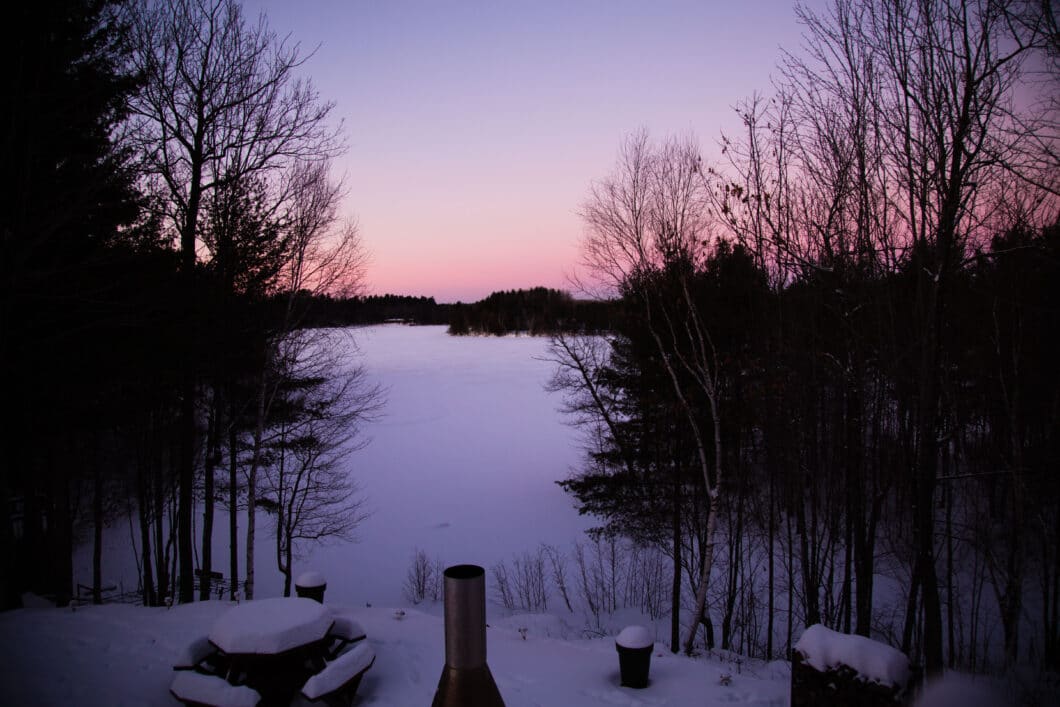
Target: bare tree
[
  {"x": 221, "y": 100},
  {"x": 897, "y": 119},
  {"x": 307, "y": 481},
  {"x": 326, "y": 256},
  {"x": 424, "y": 578},
  {"x": 646, "y": 233},
  {"x": 949, "y": 76},
  {"x": 1034, "y": 135}
]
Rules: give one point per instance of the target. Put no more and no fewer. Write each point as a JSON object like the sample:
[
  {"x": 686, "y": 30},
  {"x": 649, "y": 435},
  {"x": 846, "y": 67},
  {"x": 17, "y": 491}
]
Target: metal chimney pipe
[{"x": 466, "y": 680}]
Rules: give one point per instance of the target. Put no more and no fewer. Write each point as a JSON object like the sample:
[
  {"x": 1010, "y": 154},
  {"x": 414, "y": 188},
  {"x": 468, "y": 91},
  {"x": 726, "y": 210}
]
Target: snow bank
[
  {"x": 190, "y": 686},
  {"x": 824, "y": 649},
  {"x": 268, "y": 626},
  {"x": 339, "y": 672},
  {"x": 635, "y": 637}
]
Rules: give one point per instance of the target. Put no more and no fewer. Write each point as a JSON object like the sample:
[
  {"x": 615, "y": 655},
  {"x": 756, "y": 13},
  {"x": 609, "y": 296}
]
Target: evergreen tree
[{"x": 71, "y": 257}]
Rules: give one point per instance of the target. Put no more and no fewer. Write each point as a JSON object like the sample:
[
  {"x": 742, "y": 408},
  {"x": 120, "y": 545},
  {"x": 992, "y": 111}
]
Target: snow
[
  {"x": 538, "y": 625},
  {"x": 115, "y": 655},
  {"x": 210, "y": 689},
  {"x": 310, "y": 580},
  {"x": 339, "y": 672},
  {"x": 958, "y": 690},
  {"x": 635, "y": 637},
  {"x": 824, "y": 649},
  {"x": 194, "y": 652},
  {"x": 346, "y": 628},
  {"x": 271, "y": 626},
  {"x": 464, "y": 462}
]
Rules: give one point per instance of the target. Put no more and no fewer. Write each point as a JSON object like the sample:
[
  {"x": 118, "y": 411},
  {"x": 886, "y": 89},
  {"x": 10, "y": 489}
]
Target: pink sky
[{"x": 475, "y": 129}]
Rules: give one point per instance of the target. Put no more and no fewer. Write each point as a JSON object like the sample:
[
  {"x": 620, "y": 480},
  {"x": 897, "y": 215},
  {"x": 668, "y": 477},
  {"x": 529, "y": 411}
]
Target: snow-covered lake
[{"x": 462, "y": 465}]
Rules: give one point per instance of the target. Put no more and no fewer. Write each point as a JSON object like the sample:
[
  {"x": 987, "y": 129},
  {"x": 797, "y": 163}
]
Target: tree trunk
[
  {"x": 910, "y": 613},
  {"x": 704, "y": 575},
  {"x": 233, "y": 498},
  {"x": 771, "y": 540},
  {"x": 185, "y": 484},
  {"x": 283, "y": 525},
  {"x": 97, "y": 534},
  {"x": 791, "y": 587},
  {"x": 288, "y": 559},
  {"x": 252, "y": 481},
  {"x": 209, "y": 467},
  {"x": 61, "y": 533},
  {"x": 675, "y": 587},
  {"x": 142, "y": 503},
  {"x": 927, "y": 462},
  {"x": 161, "y": 561},
  {"x": 811, "y": 599},
  {"x": 186, "y": 443}
]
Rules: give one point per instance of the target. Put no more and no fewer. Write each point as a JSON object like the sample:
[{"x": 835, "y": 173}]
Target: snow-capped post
[
  {"x": 311, "y": 585},
  {"x": 634, "y": 645},
  {"x": 466, "y": 679},
  {"x": 829, "y": 669}
]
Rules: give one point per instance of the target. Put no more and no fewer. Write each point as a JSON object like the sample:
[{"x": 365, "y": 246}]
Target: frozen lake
[{"x": 462, "y": 465}]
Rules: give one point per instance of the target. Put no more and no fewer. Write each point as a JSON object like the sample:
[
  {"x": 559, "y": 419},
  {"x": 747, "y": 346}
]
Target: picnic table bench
[
  {"x": 107, "y": 594},
  {"x": 278, "y": 649},
  {"x": 217, "y": 582}
]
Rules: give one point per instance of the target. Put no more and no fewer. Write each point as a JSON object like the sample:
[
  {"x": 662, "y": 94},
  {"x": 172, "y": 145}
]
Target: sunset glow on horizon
[{"x": 476, "y": 129}]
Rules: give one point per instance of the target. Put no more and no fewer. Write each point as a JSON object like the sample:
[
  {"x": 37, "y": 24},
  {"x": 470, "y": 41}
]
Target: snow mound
[
  {"x": 635, "y": 637},
  {"x": 190, "y": 686},
  {"x": 339, "y": 672},
  {"x": 824, "y": 649},
  {"x": 269, "y": 626}
]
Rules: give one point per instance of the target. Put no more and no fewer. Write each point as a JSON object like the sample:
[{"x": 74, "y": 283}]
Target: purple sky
[{"x": 475, "y": 128}]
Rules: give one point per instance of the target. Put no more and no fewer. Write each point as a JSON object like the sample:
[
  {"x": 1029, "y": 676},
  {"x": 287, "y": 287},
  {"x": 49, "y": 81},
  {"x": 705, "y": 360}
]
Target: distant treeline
[
  {"x": 537, "y": 311},
  {"x": 377, "y": 309}
]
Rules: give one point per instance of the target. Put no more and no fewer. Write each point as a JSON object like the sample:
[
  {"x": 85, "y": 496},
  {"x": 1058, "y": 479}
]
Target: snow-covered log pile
[{"x": 833, "y": 669}]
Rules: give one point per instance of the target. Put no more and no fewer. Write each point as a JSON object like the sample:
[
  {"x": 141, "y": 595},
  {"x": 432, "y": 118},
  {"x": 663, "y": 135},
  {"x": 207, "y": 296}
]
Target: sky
[{"x": 475, "y": 129}]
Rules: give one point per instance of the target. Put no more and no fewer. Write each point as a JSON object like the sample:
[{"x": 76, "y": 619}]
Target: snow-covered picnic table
[
  {"x": 271, "y": 626},
  {"x": 275, "y": 649}
]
